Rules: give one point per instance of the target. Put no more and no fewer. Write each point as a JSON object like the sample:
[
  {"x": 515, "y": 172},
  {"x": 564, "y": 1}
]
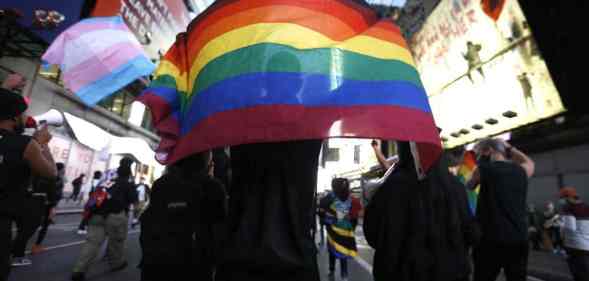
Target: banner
[{"x": 483, "y": 77}]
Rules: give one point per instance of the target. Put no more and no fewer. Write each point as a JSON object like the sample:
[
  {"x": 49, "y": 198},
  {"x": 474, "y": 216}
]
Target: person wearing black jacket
[
  {"x": 420, "y": 229},
  {"x": 110, "y": 219},
  {"x": 20, "y": 157},
  {"x": 270, "y": 203},
  {"x": 176, "y": 238}
]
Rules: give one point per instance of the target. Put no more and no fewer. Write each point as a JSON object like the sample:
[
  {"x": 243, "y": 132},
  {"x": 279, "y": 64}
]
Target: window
[
  {"x": 332, "y": 154},
  {"x": 356, "y": 154},
  {"x": 51, "y": 72},
  {"x": 147, "y": 123},
  {"x": 119, "y": 103}
]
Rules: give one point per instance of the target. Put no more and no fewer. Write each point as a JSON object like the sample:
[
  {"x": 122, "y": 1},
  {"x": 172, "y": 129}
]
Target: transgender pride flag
[{"x": 98, "y": 56}]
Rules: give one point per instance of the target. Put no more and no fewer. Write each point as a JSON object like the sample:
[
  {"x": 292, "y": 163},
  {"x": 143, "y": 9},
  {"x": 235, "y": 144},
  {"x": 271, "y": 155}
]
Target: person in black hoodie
[
  {"x": 176, "y": 238},
  {"x": 269, "y": 223},
  {"x": 420, "y": 229}
]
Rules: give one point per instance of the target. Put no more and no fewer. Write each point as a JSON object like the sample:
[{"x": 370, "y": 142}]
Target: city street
[{"x": 63, "y": 244}]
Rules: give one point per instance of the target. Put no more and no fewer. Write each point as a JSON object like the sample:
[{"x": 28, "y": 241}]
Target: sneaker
[
  {"x": 120, "y": 267},
  {"x": 37, "y": 249},
  {"x": 78, "y": 276},
  {"x": 82, "y": 232},
  {"x": 21, "y": 261},
  {"x": 330, "y": 275}
]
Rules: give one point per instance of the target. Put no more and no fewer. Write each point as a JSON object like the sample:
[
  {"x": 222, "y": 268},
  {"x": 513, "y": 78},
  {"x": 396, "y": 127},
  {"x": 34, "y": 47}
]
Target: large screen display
[{"x": 482, "y": 69}]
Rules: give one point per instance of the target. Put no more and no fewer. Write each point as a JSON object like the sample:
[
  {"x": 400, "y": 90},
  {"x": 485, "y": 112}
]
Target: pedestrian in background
[
  {"x": 551, "y": 225},
  {"x": 93, "y": 184},
  {"x": 143, "y": 193},
  {"x": 341, "y": 218},
  {"x": 76, "y": 188},
  {"x": 503, "y": 173},
  {"x": 109, "y": 219},
  {"x": 534, "y": 228},
  {"x": 575, "y": 231}
]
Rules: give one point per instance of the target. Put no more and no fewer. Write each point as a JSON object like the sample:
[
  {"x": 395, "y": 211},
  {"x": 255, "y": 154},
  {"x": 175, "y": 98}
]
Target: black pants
[
  {"x": 26, "y": 224},
  {"x": 491, "y": 257},
  {"x": 578, "y": 264},
  {"x": 83, "y": 224},
  {"x": 45, "y": 221},
  {"x": 343, "y": 264},
  {"x": 5, "y": 246},
  {"x": 75, "y": 195}
]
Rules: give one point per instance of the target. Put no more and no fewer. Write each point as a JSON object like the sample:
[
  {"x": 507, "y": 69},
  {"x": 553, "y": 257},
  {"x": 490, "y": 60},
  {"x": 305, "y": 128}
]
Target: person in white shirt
[{"x": 143, "y": 196}]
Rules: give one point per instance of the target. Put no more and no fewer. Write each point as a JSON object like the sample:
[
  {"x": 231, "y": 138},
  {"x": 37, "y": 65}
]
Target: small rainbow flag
[
  {"x": 249, "y": 71},
  {"x": 464, "y": 174}
]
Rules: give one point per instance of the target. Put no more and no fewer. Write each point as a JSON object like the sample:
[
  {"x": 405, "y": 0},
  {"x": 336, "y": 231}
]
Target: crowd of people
[{"x": 254, "y": 222}]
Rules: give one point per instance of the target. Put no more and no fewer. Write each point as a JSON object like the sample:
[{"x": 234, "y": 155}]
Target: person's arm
[
  {"x": 40, "y": 159},
  {"x": 380, "y": 157},
  {"x": 522, "y": 159},
  {"x": 13, "y": 81},
  {"x": 475, "y": 179}
]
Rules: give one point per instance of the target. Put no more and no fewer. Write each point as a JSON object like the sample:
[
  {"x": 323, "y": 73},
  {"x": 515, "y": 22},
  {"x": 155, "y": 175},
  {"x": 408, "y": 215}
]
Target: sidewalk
[{"x": 68, "y": 207}]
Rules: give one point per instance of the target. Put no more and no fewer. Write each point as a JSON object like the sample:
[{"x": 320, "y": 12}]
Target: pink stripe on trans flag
[
  {"x": 111, "y": 59},
  {"x": 55, "y": 53}
]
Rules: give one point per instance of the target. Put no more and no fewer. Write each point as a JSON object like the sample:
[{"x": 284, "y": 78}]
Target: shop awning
[
  {"x": 100, "y": 140},
  {"x": 87, "y": 133}
]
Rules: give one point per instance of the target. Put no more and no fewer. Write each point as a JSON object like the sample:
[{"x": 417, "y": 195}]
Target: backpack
[
  {"x": 167, "y": 223},
  {"x": 95, "y": 201}
]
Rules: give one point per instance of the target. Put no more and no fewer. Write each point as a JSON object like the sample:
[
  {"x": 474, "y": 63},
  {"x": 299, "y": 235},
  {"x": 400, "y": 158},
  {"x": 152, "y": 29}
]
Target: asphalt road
[{"x": 64, "y": 244}]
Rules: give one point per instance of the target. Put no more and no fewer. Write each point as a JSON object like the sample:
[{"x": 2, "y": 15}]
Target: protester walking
[
  {"x": 341, "y": 218},
  {"x": 185, "y": 202},
  {"x": 503, "y": 173},
  {"x": 96, "y": 180},
  {"x": 575, "y": 230},
  {"x": 420, "y": 229},
  {"x": 108, "y": 218},
  {"x": 20, "y": 156}
]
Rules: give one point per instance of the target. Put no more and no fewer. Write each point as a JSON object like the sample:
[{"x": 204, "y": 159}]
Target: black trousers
[
  {"x": 27, "y": 223},
  {"x": 343, "y": 263},
  {"x": 491, "y": 257},
  {"x": 44, "y": 224},
  {"x": 578, "y": 264},
  {"x": 5, "y": 246}
]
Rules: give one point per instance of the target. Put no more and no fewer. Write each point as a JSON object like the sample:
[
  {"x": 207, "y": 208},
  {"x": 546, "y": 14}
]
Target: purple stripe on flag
[{"x": 119, "y": 54}]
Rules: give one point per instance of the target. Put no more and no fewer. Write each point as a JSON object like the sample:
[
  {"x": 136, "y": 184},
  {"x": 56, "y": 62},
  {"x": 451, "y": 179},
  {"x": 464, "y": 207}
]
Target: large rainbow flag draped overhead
[{"x": 250, "y": 71}]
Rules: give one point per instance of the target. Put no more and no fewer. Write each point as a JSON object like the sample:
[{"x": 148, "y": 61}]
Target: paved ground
[{"x": 64, "y": 247}]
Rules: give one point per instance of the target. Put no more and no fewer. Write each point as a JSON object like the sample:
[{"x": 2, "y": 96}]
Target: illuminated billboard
[
  {"x": 482, "y": 69},
  {"x": 155, "y": 22}
]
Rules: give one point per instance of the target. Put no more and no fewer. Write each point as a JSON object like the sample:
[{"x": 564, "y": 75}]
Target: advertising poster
[{"x": 483, "y": 76}]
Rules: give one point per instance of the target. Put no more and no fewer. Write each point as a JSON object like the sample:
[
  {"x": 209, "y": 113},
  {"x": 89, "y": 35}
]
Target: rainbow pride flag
[
  {"x": 249, "y": 71},
  {"x": 97, "y": 57},
  {"x": 464, "y": 174}
]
